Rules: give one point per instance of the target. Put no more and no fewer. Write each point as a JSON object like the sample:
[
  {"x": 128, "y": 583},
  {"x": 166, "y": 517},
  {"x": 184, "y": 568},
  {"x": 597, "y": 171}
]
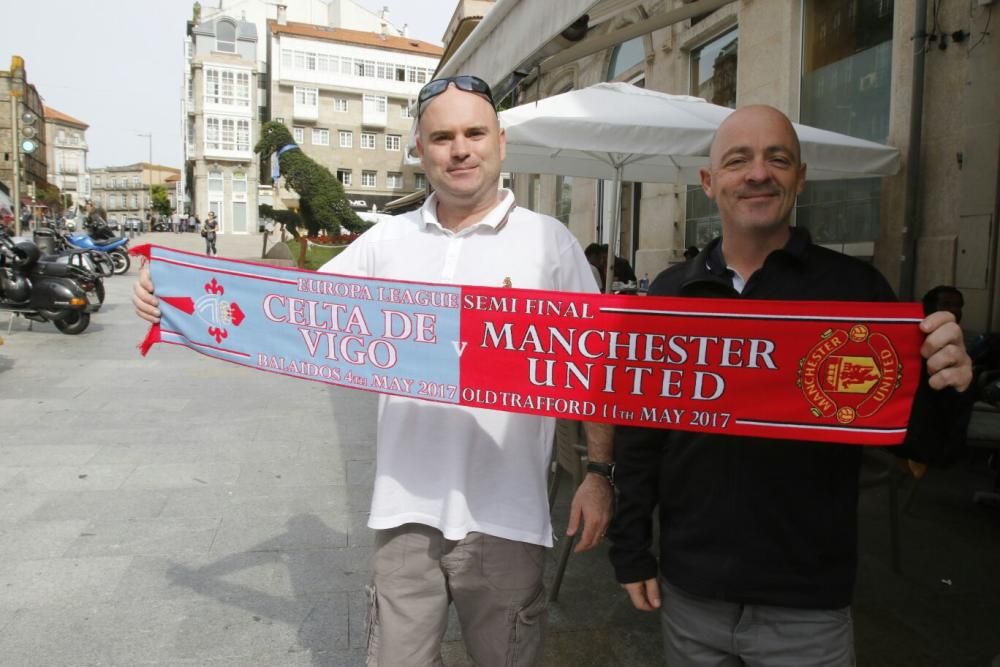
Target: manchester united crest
[{"x": 849, "y": 374}]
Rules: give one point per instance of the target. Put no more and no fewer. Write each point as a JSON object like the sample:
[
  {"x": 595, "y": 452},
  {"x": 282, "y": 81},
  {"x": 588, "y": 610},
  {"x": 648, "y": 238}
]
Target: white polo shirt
[{"x": 461, "y": 469}]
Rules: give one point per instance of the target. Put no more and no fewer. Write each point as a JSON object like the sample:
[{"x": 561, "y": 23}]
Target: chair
[
  {"x": 569, "y": 456},
  {"x": 880, "y": 468}
]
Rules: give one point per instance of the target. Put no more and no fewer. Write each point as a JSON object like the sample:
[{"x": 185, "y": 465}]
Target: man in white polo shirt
[{"x": 460, "y": 505}]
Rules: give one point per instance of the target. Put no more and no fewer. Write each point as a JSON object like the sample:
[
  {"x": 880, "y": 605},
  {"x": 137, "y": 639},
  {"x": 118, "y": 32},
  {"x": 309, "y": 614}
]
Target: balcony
[
  {"x": 371, "y": 117},
  {"x": 306, "y": 113}
]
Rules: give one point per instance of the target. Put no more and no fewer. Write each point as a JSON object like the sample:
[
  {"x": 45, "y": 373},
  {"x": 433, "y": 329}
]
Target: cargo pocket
[
  {"x": 528, "y": 632},
  {"x": 371, "y": 624}
]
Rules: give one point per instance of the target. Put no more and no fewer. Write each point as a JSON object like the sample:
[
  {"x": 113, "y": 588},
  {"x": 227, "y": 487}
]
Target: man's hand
[
  {"x": 146, "y": 305},
  {"x": 948, "y": 364},
  {"x": 645, "y": 595},
  {"x": 593, "y": 504}
]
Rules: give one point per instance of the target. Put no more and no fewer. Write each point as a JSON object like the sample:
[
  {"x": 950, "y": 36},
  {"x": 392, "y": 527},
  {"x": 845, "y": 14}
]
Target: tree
[
  {"x": 51, "y": 196},
  {"x": 160, "y": 201}
]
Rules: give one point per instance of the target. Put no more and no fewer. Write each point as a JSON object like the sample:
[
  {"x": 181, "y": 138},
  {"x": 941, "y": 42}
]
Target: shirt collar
[
  {"x": 495, "y": 219},
  {"x": 795, "y": 248}
]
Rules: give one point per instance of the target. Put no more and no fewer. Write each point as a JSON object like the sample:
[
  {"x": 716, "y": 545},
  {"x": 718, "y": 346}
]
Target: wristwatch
[{"x": 605, "y": 470}]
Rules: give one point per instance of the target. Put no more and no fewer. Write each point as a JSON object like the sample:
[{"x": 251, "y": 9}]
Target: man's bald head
[{"x": 749, "y": 119}]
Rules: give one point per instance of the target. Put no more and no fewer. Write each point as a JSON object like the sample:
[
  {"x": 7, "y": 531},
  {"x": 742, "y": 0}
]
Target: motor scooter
[
  {"x": 117, "y": 249},
  {"x": 41, "y": 291}
]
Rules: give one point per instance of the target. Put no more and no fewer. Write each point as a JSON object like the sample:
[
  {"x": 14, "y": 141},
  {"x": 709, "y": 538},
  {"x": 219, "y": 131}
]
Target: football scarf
[{"x": 821, "y": 371}]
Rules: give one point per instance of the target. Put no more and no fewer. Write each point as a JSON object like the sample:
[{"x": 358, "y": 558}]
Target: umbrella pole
[{"x": 616, "y": 214}]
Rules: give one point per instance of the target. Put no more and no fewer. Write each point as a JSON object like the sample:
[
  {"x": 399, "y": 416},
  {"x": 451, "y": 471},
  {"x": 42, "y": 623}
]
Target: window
[
  {"x": 215, "y": 180},
  {"x": 306, "y": 97},
  {"x": 299, "y": 134},
  {"x": 243, "y": 135},
  {"x": 239, "y": 181},
  {"x": 346, "y": 139},
  {"x": 225, "y": 36},
  {"x": 713, "y": 70},
  {"x": 421, "y": 182},
  {"x": 98, "y": 200},
  {"x": 404, "y": 110},
  {"x": 368, "y": 141},
  {"x": 227, "y": 134},
  {"x": 713, "y": 77},
  {"x": 846, "y": 82},
  {"x": 340, "y": 105},
  {"x": 626, "y": 56},
  {"x": 134, "y": 201},
  {"x": 97, "y": 181},
  {"x": 368, "y": 179},
  {"x": 344, "y": 176},
  {"x": 135, "y": 182},
  {"x": 394, "y": 180},
  {"x": 321, "y": 136},
  {"x": 112, "y": 201},
  {"x": 564, "y": 198},
  {"x": 392, "y": 142},
  {"x": 375, "y": 103}
]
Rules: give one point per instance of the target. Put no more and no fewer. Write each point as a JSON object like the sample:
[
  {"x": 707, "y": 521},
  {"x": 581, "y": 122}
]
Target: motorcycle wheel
[
  {"x": 99, "y": 288},
  {"x": 121, "y": 260},
  {"x": 73, "y": 323}
]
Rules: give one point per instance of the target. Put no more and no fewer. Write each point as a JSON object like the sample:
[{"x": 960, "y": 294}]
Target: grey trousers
[
  {"x": 708, "y": 633},
  {"x": 496, "y": 585}
]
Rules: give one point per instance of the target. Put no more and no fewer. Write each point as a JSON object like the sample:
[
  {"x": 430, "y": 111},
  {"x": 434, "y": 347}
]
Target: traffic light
[{"x": 29, "y": 132}]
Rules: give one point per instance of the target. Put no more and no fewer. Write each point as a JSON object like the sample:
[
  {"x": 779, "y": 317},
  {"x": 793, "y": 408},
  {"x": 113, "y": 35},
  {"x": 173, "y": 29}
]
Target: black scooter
[{"x": 45, "y": 291}]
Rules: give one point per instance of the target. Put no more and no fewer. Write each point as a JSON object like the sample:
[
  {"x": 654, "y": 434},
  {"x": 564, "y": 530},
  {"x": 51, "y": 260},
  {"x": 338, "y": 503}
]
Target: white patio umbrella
[{"x": 620, "y": 132}]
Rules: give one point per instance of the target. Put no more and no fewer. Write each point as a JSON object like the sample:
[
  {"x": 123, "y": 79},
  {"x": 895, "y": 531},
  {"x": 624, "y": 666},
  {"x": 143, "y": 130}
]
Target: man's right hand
[
  {"x": 645, "y": 595},
  {"x": 146, "y": 305}
]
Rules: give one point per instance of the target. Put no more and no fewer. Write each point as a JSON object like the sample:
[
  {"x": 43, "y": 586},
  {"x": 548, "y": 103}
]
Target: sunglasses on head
[{"x": 468, "y": 83}]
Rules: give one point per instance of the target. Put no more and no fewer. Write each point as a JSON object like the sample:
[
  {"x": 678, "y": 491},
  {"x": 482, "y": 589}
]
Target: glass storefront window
[
  {"x": 564, "y": 198},
  {"x": 713, "y": 77},
  {"x": 846, "y": 81}
]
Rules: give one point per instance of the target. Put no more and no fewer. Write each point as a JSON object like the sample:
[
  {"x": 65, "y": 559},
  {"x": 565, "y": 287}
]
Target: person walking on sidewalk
[
  {"x": 209, "y": 233},
  {"x": 460, "y": 509}
]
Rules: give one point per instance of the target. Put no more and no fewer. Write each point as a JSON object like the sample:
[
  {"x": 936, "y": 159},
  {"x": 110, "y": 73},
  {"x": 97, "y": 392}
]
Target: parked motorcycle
[
  {"x": 55, "y": 247},
  {"x": 42, "y": 291},
  {"x": 117, "y": 249}
]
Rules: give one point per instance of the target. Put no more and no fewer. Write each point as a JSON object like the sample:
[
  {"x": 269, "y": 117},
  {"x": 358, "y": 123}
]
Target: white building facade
[
  {"x": 222, "y": 126},
  {"x": 346, "y": 97},
  {"x": 67, "y": 159}
]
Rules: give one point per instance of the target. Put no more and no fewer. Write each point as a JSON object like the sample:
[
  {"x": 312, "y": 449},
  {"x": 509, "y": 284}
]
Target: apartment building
[
  {"x": 346, "y": 95},
  {"x": 66, "y": 155},
  {"x": 33, "y": 166},
  {"x": 222, "y": 122},
  {"x": 225, "y": 69},
  {"x": 124, "y": 192}
]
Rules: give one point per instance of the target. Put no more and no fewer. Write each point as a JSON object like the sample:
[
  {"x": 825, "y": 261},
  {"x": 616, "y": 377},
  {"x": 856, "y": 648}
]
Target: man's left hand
[
  {"x": 592, "y": 504},
  {"x": 948, "y": 364}
]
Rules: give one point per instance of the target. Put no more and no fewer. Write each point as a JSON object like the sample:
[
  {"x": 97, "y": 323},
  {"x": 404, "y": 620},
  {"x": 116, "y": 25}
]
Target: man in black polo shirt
[{"x": 758, "y": 537}]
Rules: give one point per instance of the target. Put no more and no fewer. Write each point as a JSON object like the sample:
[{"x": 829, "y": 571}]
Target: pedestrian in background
[{"x": 209, "y": 233}]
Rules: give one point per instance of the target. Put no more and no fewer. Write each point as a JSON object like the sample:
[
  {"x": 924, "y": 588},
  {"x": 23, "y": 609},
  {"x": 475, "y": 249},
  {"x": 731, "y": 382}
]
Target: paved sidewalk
[{"x": 176, "y": 510}]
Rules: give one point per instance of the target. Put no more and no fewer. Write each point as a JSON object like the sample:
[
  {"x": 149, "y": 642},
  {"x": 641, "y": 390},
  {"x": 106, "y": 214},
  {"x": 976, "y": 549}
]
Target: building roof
[
  {"x": 373, "y": 39},
  {"x": 60, "y": 117},
  {"x": 139, "y": 166}
]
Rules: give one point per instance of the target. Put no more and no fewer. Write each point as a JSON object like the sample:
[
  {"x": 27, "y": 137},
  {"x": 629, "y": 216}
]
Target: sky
[{"x": 117, "y": 65}]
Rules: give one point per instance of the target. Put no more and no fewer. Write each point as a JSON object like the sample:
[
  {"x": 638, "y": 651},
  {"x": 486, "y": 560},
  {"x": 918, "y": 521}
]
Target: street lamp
[{"x": 149, "y": 186}]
